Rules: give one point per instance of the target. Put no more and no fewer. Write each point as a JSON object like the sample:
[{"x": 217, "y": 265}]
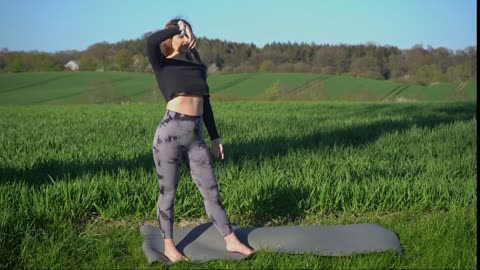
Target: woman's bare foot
[
  {"x": 172, "y": 253},
  {"x": 234, "y": 245}
]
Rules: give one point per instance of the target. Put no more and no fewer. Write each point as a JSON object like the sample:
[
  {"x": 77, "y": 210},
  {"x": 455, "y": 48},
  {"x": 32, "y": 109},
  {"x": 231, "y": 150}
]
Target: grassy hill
[{"x": 118, "y": 87}]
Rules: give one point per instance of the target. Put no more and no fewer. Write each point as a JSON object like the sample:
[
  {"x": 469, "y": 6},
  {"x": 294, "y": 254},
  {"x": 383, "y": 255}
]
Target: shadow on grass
[
  {"x": 356, "y": 136},
  {"x": 279, "y": 204}
]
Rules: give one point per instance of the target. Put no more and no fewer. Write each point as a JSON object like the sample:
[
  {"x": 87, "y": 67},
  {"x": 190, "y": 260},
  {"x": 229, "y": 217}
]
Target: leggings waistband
[{"x": 181, "y": 116}]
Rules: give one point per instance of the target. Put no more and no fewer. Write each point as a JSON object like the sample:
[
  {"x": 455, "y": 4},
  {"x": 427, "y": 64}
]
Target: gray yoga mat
[{"x": 203, "y": 243}]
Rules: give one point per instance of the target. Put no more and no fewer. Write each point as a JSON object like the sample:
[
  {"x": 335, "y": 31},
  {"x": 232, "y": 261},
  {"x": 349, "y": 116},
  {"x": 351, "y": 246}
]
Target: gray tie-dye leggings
[{"x": 180, "y": 137}]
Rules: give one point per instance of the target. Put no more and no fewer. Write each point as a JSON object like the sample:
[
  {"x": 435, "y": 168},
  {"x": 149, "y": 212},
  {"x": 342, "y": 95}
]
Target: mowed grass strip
[
  {"x": 123, "y": 87},
  {"x": 77, "y": 182},
  {"x": 463, "y": 91},
  {"x": 77, "y": 88}
]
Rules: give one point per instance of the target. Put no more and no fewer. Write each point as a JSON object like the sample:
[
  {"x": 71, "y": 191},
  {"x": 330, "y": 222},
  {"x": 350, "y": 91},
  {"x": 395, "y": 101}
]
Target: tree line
[{"x": 415, "y": 65}]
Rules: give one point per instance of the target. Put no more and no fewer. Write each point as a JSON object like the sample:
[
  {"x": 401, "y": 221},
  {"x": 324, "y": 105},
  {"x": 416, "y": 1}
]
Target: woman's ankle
[
  {"x": 169, "y": 243},
  {"x": 231, "y": 237}
]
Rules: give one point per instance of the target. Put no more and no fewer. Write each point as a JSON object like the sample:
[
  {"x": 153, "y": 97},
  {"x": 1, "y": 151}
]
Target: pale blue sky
[{"x": 54, "y": 25}]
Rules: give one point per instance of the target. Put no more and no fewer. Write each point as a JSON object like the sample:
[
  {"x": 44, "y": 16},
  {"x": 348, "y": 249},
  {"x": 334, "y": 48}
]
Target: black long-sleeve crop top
[{"x": 176, "y": 76}]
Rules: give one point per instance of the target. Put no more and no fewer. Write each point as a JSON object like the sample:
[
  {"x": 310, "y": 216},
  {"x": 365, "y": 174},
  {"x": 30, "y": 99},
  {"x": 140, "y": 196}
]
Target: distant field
[
  {"x": 120, "y": 87},
  {"x": 71, "y": 88}
]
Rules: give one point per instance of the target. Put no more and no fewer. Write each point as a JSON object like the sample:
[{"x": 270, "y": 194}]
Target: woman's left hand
[
  {"x": 217, "y": 148},
  {"x": 192, "y": 40}
]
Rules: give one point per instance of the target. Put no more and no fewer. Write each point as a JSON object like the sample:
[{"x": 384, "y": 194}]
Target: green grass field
[
  {"x": 77, "y": 182},
  {"x": 121, "y": 87}
]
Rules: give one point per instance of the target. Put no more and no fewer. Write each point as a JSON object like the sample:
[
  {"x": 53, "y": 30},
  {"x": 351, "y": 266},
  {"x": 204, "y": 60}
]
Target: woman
[{"x": 181, "y": 76}]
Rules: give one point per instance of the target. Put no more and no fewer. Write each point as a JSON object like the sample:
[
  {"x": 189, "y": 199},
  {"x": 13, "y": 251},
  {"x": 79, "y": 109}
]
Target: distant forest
[{"x": 417, "y": 65}]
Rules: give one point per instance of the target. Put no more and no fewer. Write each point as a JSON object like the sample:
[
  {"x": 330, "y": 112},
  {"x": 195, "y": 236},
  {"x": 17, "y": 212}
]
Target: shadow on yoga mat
[{"x": 203, "y": 243}]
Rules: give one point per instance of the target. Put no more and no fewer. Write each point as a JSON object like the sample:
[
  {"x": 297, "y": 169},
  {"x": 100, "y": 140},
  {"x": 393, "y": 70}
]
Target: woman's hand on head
[
  {"x": 192, "y": 40},
  {"x": 217, "y": 148},
  {"x": 186, "y": 31}
]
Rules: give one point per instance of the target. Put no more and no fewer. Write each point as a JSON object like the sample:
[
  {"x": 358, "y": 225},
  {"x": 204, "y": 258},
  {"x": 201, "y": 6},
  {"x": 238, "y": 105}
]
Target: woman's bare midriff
[{"x": 186, "y": 104}]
